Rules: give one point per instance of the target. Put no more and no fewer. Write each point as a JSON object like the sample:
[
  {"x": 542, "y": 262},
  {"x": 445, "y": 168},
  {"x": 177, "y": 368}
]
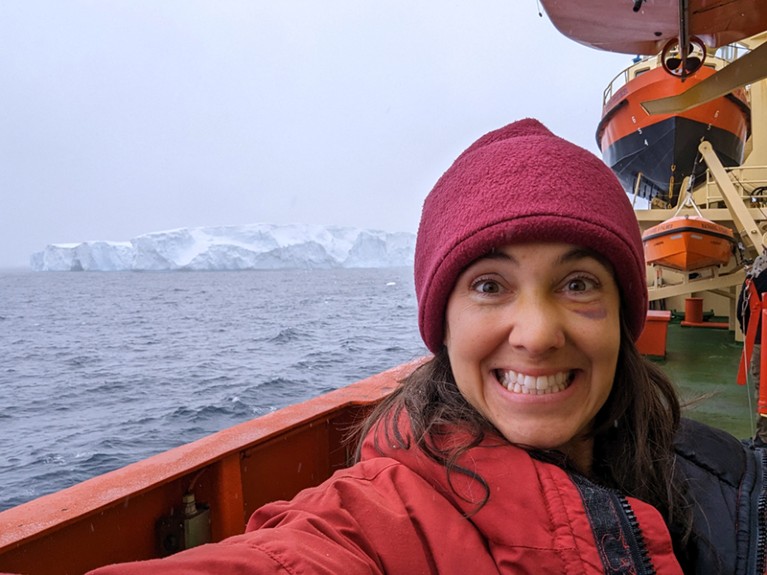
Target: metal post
[{"x": 740, "y": 215}]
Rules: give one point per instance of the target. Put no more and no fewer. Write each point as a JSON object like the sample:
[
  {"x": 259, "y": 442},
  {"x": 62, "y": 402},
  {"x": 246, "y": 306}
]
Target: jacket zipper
[
  {"x": 616, "y": 529},
  {"x": 761, "y": 521},
  {"x": 633, "y": 524}
]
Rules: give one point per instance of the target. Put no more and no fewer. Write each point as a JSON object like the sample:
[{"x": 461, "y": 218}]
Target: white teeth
[{"x": 530, "y": 384}]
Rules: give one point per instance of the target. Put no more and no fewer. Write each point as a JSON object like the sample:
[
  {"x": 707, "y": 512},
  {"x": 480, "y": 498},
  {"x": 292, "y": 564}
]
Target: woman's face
[{"x": 533, "y": 332}]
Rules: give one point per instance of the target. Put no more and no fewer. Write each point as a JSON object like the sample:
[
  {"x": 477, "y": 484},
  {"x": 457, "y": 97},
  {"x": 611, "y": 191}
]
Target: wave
[
  {"x": 287, "y": 335},
  {"x": 127, "y": 366}
]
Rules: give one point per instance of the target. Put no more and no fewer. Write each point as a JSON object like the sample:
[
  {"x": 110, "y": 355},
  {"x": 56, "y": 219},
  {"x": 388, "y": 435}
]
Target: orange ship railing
[
  {"x": 723, "y": 56},
  {"x": 114, "y": 517}
]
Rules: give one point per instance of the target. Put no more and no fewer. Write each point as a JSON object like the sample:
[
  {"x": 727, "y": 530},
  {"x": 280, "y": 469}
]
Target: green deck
[{"x": 703, "y": 363}]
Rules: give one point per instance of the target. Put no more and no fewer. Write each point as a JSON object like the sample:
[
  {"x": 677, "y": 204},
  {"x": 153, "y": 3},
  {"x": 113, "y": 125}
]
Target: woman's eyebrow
[
  {"x": 578, "y": 253},
  {"x": 495, "y": 255},
  {"x": 573, "y": 254}
]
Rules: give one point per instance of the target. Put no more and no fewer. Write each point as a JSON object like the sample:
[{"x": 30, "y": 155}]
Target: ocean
[{"x": 100, "y": 369}]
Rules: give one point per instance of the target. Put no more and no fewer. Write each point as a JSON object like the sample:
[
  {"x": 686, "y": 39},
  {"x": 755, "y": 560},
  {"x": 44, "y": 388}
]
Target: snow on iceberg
[{"x": 247, "y": 247}]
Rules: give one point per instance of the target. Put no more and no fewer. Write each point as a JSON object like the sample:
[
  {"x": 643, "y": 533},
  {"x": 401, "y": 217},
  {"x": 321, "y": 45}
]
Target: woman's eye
[
  {"x": 581, "y": 284},
  {"x": 486, "y": 286}
]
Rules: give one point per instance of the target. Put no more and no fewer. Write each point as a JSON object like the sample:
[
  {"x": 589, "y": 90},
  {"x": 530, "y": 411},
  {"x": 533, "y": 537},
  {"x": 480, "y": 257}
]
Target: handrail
[
  {"x": 747, "y": 180},
  {"x": 113, "y": 517},
  {"x": 724, "y": 55}
]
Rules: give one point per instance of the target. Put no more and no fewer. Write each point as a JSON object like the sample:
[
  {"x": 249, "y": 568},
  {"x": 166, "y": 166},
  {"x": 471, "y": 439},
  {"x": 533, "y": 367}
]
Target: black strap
[{"x": 616, "y": 530}]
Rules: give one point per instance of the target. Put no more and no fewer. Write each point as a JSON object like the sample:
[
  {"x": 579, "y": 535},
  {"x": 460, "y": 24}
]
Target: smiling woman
[
  {"x": 537, "y": 439},
  {"x": 532, "y": 333}
]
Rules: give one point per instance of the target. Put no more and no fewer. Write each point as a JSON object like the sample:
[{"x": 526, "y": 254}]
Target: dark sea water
[{"x": 98, "y": 370}]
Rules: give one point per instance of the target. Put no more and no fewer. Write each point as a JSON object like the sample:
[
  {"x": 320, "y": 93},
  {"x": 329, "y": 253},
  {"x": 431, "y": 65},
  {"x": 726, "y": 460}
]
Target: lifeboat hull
[
  {"x": 665, "y": 153},
  {"x": 686, "y": 244},
  {"x": 663, "y": 148}
]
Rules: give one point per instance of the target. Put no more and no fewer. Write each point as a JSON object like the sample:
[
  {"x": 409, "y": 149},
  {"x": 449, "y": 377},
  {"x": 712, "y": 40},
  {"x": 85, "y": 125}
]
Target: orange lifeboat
[{"x": 688, "y": 243}]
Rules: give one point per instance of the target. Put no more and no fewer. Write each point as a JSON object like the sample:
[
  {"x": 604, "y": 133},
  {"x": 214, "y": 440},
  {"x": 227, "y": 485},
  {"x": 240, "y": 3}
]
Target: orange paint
[
  {"x": 623, "y": 114},
  {"x": 688, "y": 243}
]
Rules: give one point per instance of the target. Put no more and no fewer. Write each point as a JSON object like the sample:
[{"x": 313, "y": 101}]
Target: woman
[{"x": 537, "y": 439}]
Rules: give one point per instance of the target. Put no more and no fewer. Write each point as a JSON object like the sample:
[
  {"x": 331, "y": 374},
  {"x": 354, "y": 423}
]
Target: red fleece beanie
[{"x": 518, "y": 184}]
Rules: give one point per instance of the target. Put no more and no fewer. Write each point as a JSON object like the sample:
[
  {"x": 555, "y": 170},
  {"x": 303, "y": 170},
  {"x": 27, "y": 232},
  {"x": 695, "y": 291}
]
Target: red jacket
[{"x": 396, "y": 513}]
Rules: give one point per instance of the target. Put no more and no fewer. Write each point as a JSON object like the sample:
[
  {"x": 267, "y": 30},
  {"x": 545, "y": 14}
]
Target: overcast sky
[{"x": 119, "y": 118}]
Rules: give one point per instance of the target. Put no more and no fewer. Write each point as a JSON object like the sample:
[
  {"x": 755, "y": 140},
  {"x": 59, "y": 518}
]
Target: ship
[{"x": 653, "y": 154}]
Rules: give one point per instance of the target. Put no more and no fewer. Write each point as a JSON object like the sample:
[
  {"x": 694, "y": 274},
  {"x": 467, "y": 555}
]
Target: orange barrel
[{"x": 693, "y": 309}]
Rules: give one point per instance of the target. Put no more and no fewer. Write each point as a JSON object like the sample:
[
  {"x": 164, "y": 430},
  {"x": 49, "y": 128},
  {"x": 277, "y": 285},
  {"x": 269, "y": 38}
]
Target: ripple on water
[{"x": 105, "y": 369}]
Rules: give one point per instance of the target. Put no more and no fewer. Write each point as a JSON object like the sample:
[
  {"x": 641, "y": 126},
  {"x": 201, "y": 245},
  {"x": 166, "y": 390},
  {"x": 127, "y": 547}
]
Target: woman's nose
[{"x": 535, "y": 325}]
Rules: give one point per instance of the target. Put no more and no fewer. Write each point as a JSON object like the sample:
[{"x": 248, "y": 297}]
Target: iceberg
[{"x": 246, "y": 247}]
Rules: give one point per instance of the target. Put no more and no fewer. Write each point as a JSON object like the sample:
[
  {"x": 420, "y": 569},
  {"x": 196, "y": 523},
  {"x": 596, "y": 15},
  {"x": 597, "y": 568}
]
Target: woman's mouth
[{"x": 534, "y": 385}]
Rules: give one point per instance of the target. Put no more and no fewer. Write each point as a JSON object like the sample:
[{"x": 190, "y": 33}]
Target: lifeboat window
[{"x": 640, "y": 72}]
